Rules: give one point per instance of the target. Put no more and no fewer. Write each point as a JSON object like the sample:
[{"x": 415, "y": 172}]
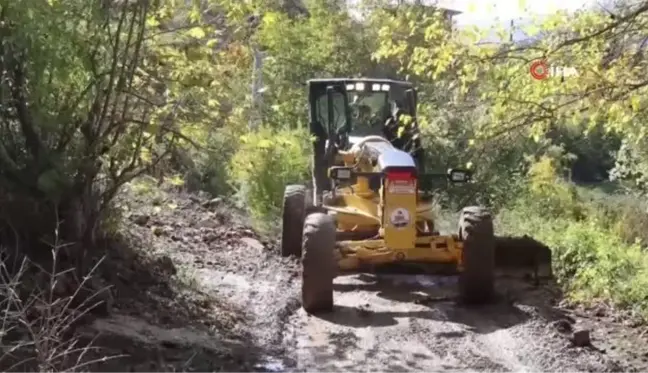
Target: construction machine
[{"x": 366, "y": 205}]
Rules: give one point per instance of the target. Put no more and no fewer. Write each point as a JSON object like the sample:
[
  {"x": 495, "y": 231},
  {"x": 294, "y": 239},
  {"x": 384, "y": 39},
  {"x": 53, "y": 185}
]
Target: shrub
[
  {"x": 210, "y": 165},
  {"x": 548, "y": 195},
  {"x": 264, "y": 164},
  {"x": 624, "y": 214},
  {"x": 590, "y": 262},
  {"x": 595, "y": 239}
]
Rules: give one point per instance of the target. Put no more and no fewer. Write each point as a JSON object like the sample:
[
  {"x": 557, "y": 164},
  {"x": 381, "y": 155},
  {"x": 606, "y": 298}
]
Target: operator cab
[
  {"x": 344, "y": 110},
  {"x": 361, "y": 107}
]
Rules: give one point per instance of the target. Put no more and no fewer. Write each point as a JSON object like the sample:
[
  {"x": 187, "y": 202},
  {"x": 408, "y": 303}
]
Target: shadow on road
[
  {"x": 430, "y": 301},
  {"x": 361, "y": 317},
  {"x": 382, "y": 359},
  {"x": 483, "y": 319}
]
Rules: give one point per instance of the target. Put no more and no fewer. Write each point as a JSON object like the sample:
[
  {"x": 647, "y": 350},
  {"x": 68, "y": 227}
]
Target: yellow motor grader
[{"x": 366, "y": 207}]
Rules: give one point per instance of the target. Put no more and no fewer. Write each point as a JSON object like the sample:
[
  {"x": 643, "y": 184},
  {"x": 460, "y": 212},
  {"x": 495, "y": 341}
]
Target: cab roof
[{"x": 323, "y": 81}]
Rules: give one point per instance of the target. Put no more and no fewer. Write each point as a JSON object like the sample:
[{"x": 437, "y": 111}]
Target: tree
[
  {"x": 78, "y": 115},
  {"x": 494, "y": 82}
]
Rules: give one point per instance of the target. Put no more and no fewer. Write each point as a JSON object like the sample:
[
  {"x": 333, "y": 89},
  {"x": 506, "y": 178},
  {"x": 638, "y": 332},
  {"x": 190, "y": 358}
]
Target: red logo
[{"x": 539, "y": 69}]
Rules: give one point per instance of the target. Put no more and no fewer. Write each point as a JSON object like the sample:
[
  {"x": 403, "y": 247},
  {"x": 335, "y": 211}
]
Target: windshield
[
  {"x": 368, "y": 113},
  {"x": 369, "y": 108}
]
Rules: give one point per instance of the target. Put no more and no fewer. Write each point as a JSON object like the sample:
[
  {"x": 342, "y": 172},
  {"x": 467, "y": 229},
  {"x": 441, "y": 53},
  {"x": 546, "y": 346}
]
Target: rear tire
[
  {"x": 319, "y": 266},
  {"x": 293, "y": 214},
  {"x": 477, "y": 280}
]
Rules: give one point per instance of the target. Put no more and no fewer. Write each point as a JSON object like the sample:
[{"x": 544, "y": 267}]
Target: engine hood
[{"x": 386, "y": 154}]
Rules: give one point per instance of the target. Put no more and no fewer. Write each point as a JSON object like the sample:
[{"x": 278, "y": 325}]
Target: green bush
[
  {"x": 548, "y": 195},
  {"x": 590, "y": 262},
  {"x": 595, "y": 239},
  {"x": 624, "y": 214},
  {"x": 210, "y": 172},
  {"x": 265, "y": 162}
]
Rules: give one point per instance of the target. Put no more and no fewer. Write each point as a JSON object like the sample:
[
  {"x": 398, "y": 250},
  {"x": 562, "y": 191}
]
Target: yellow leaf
[
  {"x": 196, "y": 32},
  {"x": 150, "y": 22},
  {"x": 405, "y": 119},
  {"x": 176, "y": 180},
  {"x": 635, "y": 102},
  {"x": 145, "y": 155},
  {"x": 270, "y": 19},
  {"x": 194, "y": 15}
]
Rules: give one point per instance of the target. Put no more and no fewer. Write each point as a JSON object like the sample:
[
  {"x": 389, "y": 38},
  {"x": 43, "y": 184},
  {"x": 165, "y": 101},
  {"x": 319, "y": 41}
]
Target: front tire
[
  {"x": 293, "y": 214},
  {"x": 318, "y": 261},
  {"x": 477, "y": 280}
]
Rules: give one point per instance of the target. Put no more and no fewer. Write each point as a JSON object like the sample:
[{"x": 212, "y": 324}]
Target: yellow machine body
[{"x": 398, "y": 223}]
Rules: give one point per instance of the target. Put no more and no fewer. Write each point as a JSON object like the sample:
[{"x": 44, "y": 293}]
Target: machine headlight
[{"x": 459, "y": 176}]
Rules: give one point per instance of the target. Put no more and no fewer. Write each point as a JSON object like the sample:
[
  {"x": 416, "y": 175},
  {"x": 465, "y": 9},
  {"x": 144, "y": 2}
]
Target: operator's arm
[{"x": 390, "y": 129}]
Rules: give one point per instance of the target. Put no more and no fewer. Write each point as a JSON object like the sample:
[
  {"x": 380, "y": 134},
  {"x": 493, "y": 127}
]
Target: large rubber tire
[
  {"x": 318, "y": 261},
  {"x": 293, "y": 214},
  {"x": 477, "y": 280}
]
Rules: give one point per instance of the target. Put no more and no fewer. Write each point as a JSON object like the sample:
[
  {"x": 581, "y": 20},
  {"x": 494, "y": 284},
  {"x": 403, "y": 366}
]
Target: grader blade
[{"x": 524, "y": 257}]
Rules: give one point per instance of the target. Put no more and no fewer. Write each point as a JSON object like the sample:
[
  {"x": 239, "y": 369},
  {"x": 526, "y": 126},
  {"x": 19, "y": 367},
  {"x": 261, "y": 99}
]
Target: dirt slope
[
  {"x": 217, "y": 297},
  {"x": 381, "y": 322}
]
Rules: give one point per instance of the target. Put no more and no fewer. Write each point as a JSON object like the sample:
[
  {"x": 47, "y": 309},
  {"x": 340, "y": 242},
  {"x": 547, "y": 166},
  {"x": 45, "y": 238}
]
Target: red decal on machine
[
  {"x": 399, "y": 176},
  {"x": 402, "y": 187}
]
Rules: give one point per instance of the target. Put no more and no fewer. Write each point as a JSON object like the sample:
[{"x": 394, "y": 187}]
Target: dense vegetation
[{"x": 96, "y": 93}]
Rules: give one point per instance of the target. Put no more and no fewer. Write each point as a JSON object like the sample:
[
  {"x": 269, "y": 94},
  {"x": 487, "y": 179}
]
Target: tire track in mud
[
  {"x": 454, "y": 349},
  {"x": 266, "y": 291},
  {"x": 383, "y": 325}
]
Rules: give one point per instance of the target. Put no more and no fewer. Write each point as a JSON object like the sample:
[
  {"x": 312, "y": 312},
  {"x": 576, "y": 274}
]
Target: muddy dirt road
[
  {"x": 382, "y": 322},
  {"x": 411, "y": 323}
]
